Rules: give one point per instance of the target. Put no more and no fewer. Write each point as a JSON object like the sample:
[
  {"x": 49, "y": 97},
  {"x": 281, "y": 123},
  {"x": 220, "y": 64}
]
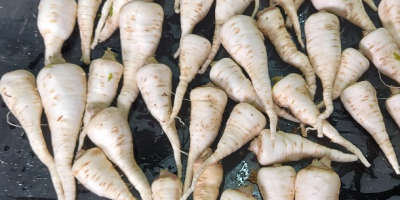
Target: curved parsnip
[
  {"x": 242, "y": 193},
  {"x": 317, "y": 181},
  {"x": 245, "y": 43},
  {"x": 380, "y": 48},
  {"x": 87, "y": 10},
  {"x": 224, "y": 10},
  {"x": 228, "y": 76},
  {"x": 207, "y": 107},
  {"x": 270, "y": 22},
  {"x": 207, "y": 188},
  {"x": 352, "y": 66},
  {"x": 352, "y": 10},
  {"x": 194, "y": 50},
  {"x": 141, "y": 27},
  {"x": 94, "y": 171},
  {"x": 19, "y": 93},
  {"x": 55, "y": 21},
  {"x": 324, "y": 51},
  {"x": 297, "y": 4},
  {"x": 110, "y": 131},
  {"x": 104, "y": 76},
  {"x": 244, "y": 123},
  {"x": 167, "y": 186},
  {"x": 361, "y": 102},
  {"x": 290, "y": 9},
  {"x": 62, "y": 87},
  {"x": 388, "y": 14},
  {"x": 290, "y": 147},
  {"x": 276, "y": 182},
  {"x": 291, "y": 92},
  {"x": 155, "y": 84},
  {"x": 192, "y": 12}
]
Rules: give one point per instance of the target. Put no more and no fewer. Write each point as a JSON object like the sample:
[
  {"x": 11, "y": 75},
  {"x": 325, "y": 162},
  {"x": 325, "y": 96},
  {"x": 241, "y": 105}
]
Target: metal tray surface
[{"x": 23, "y": 176}]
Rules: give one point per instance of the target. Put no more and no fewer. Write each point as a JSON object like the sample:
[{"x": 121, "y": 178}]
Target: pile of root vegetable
[{"x": 77, "y": 104}]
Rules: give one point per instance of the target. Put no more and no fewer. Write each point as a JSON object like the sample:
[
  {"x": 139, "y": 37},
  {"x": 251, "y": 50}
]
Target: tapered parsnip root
[
  {"x": 155, "y": 85},
  {"x": 290, "y": 147},
  {"x": 87, "y": 10},
  {"x": 251, "y": 123},
  {"x": 55, "y": 21},
  {"x": 277, "y": 182},
  {"x": 194, "y": 50},
  {"x": 291, "y": 92},
  {"x": 270, "y": 22},
  {"x": 324, "y": 50},
  {"x": 228, "y": 76},
  {"x": 94, "y": 171},
  {"x": 245, "y": 43},
  {"x": 19, "y": 93},
  {"x": 388, "y": 14},
  {"x": 167, "y": 186},
  {"x": 110, "y": 131},
  {"x": 207, "y": 188},
  {"x": 352, "y": 66},
  {"x": 297, "y": 4},
  {"x": 224, "y": 10},
  {"x": 290, "y": 9},
  {"x": 352, "y": 10},
  {"x": 392, "y": 105},
  {"x": 207, "y": 107},
  {"x": 361, "y": 102},
  {"x": 241, "y": 193},
  {"x": 141, "y": 27},
  {"x": 192, "y": 12},
  {"x": 104, "y": 76},
  {"x": 371, "y": 4},
  {"x": 317, "y": 181},
  {"x": 62, "y": 88},
  {"x": 380, "y": 48}
]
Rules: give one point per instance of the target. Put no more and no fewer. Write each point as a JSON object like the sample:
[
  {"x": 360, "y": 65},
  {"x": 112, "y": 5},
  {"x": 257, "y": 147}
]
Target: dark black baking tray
[{"x": 23, "y": 176}]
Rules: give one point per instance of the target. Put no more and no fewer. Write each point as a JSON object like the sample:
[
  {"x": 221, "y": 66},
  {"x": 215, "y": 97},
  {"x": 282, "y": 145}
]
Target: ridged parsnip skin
[
  {"x": 55, "y": 21},
  {"x": 87, "y": 10},
  {"x": 230, "y": 194},
  {"x": 393, "y": 107},
  {"x": 291, "y": 92},
  {"x": 207, "y": 107},
  {"x": 380, "y": 48},
  {"x": 104, "y": 76},
  {"x": 270, "y": 22},
  {"x": 245, "y": 43},
  {"x": 291, "y": 11},
  {"x": 389, "y": 15},
  {"x": 192, "y": 12},
  {"x": 361, "y": 102},
  {"x": 224, "y": 9},
  {"x": 94, "y": 171},
  {"x": 167, "y": 186},
  {"x": 155, "y": 85},
  {"x": 317, "y": 181},
  {"x": 193, "y": 51},
  {"x": 290, "y": 147},
  {"x": 228, "y": 76},
  {"x": 297, "y": 4},
  {"x": 324, "y": 51},
  {"x": 276, "y": 182},
  {"x": 352, "y": 66},
  {"x": 19, "y": 93},
  {"x": 207, "y": 188},
  {"x": 62, "y": 88},
  {"x": 244, "y": 123},
  {"x": 110, "y": 131},
  {"x": 352, "y": 10},
  {"x": 140, "y": 30}
]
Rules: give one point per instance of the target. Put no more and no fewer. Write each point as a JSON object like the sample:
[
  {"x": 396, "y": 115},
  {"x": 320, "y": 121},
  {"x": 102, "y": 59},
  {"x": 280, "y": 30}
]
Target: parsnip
[
  {"x": 167, "y": 186},
  {"x": 276, "y": 182},
  {"x": 388, "y": 14}
]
